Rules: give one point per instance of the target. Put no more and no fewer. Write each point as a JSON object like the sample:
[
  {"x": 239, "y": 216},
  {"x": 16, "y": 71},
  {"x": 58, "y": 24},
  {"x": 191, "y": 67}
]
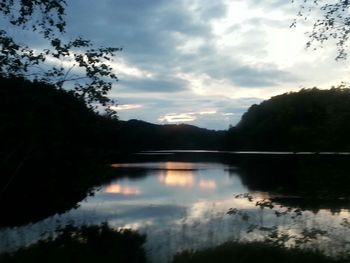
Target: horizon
[{"x": 175, "y": 124}]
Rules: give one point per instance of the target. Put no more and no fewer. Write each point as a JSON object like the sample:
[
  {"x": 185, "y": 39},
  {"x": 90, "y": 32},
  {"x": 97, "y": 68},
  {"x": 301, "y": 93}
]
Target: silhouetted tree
[
  {"x": 331, "y": 20},
  {"x": 86, "y": 69},
  {"x": 308, "y": 120},
  {"x": 50, "y": 140}
]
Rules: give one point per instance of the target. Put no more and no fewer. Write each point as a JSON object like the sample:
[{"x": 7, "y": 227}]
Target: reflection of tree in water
[
  {"x": 286, "y": 226},
  {"x": 40, "y": 190},
  {"x": 316, "y": 182}
]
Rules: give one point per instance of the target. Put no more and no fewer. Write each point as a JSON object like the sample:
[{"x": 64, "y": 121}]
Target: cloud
[
  {"x": 207, "y": 112},
  {"x": 163, "y": 108},
  {"x": 260, "y": 76},
  {"x": 126, "y": 107},
  {"x": 153, "y": 85},
  {"x": 177, "y": 117}
]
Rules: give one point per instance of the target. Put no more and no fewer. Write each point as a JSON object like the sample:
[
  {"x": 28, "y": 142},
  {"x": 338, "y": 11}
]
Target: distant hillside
[
  {"x": 308, "y": 120},
  {"x": 140, "y": 135}
]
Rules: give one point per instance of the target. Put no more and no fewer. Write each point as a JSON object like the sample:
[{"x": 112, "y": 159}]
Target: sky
[{"x": 203, "y": 62}]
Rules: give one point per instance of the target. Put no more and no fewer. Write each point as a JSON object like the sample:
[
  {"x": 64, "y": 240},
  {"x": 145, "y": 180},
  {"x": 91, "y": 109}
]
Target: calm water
[{"x": 189, "y": 205}]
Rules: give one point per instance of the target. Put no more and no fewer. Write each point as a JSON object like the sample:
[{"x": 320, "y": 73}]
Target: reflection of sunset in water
[
  {"x": 123, "y": 190},
  {"x": 177, "y": 174},
  {"x": 177, "y": 178},
  {"x": 207, "y": 184},
  {"x": 179, "y": 166}
]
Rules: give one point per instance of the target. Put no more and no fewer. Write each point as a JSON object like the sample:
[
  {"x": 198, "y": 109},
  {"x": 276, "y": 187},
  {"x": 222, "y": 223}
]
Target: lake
[{"x": 189, "y": 200}]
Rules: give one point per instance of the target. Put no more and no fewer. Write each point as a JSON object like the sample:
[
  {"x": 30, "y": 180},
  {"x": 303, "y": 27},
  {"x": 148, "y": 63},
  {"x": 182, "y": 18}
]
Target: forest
[{"x": 308, "y": 120}]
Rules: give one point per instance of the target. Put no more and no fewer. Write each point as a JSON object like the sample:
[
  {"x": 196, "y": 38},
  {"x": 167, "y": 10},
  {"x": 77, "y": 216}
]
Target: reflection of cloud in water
[
  {"x": 127, "y": 211},
  {"x": 207, "y": 184},
  {"x": 147, "y": 212},
  {"x": 177, "y": 178},
  {"x": 123, "y": 190},
  {"x": 177, "y": 174},
  {"x": 201, "y": 209}
]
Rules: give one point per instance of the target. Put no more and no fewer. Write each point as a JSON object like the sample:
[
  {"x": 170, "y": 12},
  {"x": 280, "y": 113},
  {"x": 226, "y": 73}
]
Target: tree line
[{"x": 308, "y": 120}]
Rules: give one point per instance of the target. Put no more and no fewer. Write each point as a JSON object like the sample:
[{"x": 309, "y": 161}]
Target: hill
[
  {"x": 308, "y": 120},
  {"x": 140, "y": 135}
]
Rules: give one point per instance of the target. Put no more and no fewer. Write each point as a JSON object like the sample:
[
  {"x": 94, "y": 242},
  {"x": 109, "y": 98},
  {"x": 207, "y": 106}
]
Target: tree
[
  {"x": 74, "y": 64},
  {"x": 308, "y": 120},
  {"x": 331, "y": 20}
]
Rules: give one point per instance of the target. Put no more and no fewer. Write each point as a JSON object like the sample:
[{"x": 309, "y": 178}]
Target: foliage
[
  {"x": 37, "y": 117},
  {"x": 331, "y": 21},
  {"x": 44, "y": 16},
  {"x": 84, "y": 244},
  {"x": 308, "y": 120},
  {"x": 72, "y": 64},
  {"x": 251, "y": 253}
]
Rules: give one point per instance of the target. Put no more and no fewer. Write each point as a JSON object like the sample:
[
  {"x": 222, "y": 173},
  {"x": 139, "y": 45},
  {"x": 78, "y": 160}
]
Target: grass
[
  {"x": 252, "y": 253},
  {"x": 84, "y": 244},
  {"x": 103, "y": 244}
]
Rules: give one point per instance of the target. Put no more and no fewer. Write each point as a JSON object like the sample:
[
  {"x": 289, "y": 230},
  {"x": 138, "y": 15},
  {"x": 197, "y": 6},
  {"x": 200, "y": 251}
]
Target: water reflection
[
  {"x": 123, "y": 190},
  {"x": 185, "y": 205},
  {"x": 177, "y": 178},
  {"x": 182, "y": 166},
  {"x": 207, "y": 184},
  {"x": 182, "y": 174},
  {"x": 178, "y": 174}
]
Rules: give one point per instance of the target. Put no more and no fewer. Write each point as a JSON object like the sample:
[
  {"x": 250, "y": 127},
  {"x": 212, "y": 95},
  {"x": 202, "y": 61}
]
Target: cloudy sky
[{"x": 202, "y": 62}]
